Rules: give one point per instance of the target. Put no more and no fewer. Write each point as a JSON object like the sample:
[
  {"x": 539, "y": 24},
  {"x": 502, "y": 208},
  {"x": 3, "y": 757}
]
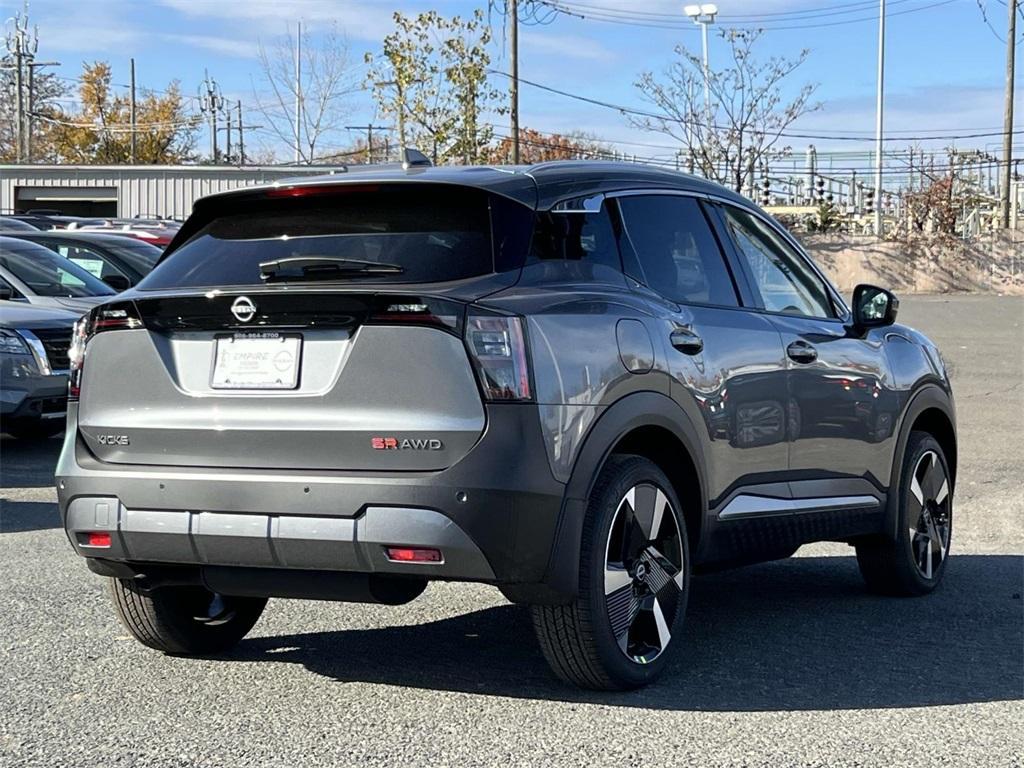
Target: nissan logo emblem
[{"x": 243, "y": 309}]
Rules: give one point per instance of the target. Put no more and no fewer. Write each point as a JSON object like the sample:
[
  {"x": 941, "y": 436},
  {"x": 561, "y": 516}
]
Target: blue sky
[{"x": 945, "y": 67}]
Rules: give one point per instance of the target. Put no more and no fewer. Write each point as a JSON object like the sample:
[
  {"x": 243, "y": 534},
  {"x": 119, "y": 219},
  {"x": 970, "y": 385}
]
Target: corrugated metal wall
[{"x": 143, "y": 190}]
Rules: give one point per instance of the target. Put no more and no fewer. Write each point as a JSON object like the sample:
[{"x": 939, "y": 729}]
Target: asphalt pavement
[{"x": 788, "y": 663}]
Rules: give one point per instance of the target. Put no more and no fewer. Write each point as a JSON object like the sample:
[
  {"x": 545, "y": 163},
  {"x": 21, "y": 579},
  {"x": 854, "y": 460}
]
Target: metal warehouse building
[{"x": 129, "y": 190}]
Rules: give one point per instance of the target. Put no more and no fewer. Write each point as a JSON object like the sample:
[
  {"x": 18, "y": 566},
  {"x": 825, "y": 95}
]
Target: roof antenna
[{"x": 413, "y": 158}]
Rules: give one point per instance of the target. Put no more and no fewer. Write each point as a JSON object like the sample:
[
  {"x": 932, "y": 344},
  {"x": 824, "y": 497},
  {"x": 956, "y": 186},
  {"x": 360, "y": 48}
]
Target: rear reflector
[
  {"x": 97, "y": 539},
  {"x": 413, "y": 555}
]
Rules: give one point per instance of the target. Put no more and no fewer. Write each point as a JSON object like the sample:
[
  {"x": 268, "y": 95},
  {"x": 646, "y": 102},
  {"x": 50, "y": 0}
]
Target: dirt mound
[{"x": 990, "y": 264}]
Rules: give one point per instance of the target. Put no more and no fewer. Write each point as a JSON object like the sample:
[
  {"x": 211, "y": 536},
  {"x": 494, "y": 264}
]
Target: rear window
[
  {"x": 141, "y": 257},
  {"x": 434, "y": 233}
]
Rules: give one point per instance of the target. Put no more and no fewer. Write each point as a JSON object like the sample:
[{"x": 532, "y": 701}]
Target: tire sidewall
[{"x": 627, "y": 472}]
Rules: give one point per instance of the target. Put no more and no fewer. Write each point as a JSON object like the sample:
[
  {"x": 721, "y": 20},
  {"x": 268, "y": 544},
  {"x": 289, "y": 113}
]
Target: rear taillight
[
  {"x": 497, "y": 346},
  {"x": 120, "y": 316},
  {"x": 416, "y": 310}
]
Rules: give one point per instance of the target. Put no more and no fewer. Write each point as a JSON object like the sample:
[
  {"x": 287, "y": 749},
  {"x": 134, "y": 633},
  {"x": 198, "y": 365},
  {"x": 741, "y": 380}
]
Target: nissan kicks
[{"x": 580, "y": 382}]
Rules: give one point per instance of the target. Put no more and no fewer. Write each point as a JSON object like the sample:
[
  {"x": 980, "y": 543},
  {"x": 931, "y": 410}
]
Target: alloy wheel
[
  {"x": 929, "y": 514},
  {"x": 643, "y": 573}
]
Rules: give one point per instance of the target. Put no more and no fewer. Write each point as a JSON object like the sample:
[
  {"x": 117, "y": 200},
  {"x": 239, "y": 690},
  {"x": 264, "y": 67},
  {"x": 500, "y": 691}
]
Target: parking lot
[{"x": 789, "y": 663}]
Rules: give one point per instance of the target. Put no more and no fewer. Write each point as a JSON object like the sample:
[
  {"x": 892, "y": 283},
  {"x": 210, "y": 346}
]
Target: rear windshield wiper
[{"x": 323, "y": 268}]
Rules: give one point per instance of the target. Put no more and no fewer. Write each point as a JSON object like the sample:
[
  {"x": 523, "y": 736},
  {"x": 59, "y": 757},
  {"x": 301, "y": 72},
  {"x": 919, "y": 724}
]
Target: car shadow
[
  {"x": 800, "y": 634},
  {"x": 21, "y": 516},
  {"x": 28, "y": 463}
]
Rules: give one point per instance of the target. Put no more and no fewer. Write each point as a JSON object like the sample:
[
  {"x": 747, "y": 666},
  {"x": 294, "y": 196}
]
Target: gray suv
[{"x": 580, "y": 382}]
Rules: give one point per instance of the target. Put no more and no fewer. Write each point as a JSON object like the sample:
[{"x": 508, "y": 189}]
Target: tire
[
  {"x": 634, "y": 580},
  {"x": 913, "y": 563},
  {"x": 184, "y": 620}
]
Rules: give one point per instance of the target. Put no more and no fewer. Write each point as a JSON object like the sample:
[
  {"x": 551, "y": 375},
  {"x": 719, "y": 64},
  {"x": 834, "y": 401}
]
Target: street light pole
[
  {"x": 513, "y": 12},
  {"x": 878, "y": 118},
  {"x": 298, "y": 93},
  {"x": 704, "y": 15},
  {"x": 707, "y": 86}
]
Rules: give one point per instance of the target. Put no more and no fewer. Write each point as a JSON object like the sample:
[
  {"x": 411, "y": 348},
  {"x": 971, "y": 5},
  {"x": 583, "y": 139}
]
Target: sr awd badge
[{"x": 405, "y": 444}]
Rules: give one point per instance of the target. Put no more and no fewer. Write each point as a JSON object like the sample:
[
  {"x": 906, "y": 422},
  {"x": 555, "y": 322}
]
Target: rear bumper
[
  {"x": 34, "y": 397},
  {"x": 493, "y": 515}
]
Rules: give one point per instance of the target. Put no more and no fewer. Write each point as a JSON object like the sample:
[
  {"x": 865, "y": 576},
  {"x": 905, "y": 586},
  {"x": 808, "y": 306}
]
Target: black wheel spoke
[
  {"x": 928, "y": 514},
  {"x": 643, "y": 572},
  {"x": 622, "y": 609}
]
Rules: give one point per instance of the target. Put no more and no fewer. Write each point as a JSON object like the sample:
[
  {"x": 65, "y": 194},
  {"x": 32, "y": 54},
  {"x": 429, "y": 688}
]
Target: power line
[
  {"x": 785, "y": 134},
  {"x": 613, "y": 16},
  {"x": 854, "y": 7}
]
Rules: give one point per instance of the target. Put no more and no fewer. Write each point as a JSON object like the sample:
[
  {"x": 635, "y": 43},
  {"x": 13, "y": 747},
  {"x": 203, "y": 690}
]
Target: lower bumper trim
[{"x": 277, "y": 541}]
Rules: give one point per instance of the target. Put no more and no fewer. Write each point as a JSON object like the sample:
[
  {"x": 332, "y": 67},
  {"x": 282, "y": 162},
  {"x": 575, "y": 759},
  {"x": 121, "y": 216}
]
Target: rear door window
[
  {"x": 432, "y": 233},
  {"x": 674, "y": 251},
  {"x": 93, "y": 262},
  {"x": 48, "y": 274}
]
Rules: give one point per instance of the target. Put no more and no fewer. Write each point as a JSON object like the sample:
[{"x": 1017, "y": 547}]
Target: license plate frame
[{"x": 265, "y": 369}]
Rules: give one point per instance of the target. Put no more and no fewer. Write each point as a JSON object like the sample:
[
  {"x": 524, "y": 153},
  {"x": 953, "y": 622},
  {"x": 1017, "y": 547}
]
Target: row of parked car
[{"x": 53, "y": 269}]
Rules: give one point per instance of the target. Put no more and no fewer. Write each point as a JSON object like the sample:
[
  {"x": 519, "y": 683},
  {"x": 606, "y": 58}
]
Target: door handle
[
  {"x": 802, "y": 352},
  {"x": 686, "y": 341}
]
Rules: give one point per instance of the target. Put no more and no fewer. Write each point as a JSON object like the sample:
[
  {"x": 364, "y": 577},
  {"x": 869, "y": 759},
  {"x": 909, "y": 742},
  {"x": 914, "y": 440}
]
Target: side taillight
[
  {"x": 497, "y": 346},
  {"x": 121, "y": 315}
]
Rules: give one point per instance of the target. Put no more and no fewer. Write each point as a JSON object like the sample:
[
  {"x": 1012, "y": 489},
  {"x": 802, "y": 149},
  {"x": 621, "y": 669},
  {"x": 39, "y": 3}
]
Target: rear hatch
[{"x": 343, "y": 351}]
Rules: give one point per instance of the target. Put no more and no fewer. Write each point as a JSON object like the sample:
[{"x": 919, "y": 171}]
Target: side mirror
[
  {"x": 874, "y": 307},
  {"x": 6, "y": 294},
  {"x": 117, "y": 282}
]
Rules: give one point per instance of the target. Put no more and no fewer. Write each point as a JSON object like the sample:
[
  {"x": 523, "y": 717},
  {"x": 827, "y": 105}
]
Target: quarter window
[
  {"x": 579, "y": 240},
  {"x": 674, "y": 251},
  {"x": 786, "y": 282}
]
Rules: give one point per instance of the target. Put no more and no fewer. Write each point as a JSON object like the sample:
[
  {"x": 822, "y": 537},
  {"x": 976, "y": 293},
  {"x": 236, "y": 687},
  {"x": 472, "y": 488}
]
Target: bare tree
[
  {"x": 742, "y": 126},
  {"x": 327, "y": 79}
]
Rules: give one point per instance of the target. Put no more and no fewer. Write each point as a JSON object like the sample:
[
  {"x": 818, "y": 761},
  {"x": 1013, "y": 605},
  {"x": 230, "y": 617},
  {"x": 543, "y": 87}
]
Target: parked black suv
[{"x": 579, "y": 381}]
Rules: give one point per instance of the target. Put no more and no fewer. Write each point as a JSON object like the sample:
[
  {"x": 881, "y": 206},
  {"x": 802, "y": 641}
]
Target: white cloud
[
  {"x": 359, "y": 20},
  {"x": 222, "y": 45},
  {"x": 571, "y": 46}
]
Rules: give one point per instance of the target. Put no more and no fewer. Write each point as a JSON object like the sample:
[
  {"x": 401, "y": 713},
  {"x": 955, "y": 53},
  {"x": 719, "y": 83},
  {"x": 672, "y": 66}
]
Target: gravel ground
[{"x": 788, "y": 663}]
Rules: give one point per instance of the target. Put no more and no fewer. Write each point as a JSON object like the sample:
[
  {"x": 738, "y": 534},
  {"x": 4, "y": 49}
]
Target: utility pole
[
  {"x": 1011, "y": 51},
  {"x": 513, "y": 13},
  {"x": 211, "y": 102},
  {"x": 369, "y": 138},
  {"x": 29, "y": 125},
  {"x": 21, "y": 45},
  {"x": 241, "y": 136},
  {"x": 227, "y": 129},
  {"x": 878, "y": 117},
  {"x": 298, "y": 93},
  {"x": 131, "y": 112}
]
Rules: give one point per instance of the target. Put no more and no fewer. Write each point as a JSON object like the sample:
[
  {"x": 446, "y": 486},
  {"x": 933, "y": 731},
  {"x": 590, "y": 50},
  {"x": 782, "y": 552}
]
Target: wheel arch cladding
[
  {"x": 937, "y": 423},
  {"x": 930, "y": 410},
  {"x": 646, "y": 424}
]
